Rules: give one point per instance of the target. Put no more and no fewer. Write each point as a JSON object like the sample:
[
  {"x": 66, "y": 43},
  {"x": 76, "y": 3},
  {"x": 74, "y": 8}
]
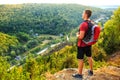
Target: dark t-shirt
[{"x": 83, "y": 27}]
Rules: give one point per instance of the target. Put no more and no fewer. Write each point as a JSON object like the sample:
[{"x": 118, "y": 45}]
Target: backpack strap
[{"x": 89, "y": 22}]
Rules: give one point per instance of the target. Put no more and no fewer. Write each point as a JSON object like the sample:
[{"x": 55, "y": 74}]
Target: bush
[
  {"x": 32, "y": 44},
  {"x": 111, "y": 41}
]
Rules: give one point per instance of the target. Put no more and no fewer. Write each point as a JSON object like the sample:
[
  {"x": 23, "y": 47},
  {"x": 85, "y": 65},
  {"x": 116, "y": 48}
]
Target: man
[{"x": 82, "y": 47}]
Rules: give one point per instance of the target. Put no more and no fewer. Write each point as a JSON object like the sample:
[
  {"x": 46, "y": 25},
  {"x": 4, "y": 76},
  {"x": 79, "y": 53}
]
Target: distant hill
[
  {"x": 44, "y": 18},
  {"x": 109, "y": 6}
]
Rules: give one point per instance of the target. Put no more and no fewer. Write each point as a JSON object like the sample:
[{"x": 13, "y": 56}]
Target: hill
[
  {"x": 22, "y": 26},
  {"x": 114, "y": 59},
  {"x": 35, "y": 19},
  {"x": 105, "y": 73},
  {"x": 35, "y": 25},
  {"x": 111, "y": 7}
]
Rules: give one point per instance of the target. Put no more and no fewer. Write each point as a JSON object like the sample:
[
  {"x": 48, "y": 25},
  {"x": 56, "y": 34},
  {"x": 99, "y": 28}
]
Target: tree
[
  {"x": 31, "y": 67},
  {"x": 32, "y": 43},
  {"x": 6, "y": 41},
  {"x": 111, "y": 41},
  {"x": 4, "y": 66},
  {"x": 23, "y": 37},
  {"x": 13, "y": 54}
]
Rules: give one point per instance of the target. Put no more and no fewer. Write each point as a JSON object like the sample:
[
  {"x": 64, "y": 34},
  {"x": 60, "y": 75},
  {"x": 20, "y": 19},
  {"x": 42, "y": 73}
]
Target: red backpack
[{"x": 92, "y": 34}]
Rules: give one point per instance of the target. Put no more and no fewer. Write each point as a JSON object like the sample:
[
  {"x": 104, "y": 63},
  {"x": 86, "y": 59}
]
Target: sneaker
[
  {"x": 77, "y": 76},
  {"x": 90, "y": 73}
]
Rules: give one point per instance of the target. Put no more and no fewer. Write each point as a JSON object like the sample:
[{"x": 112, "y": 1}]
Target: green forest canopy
[
  {"x": 43, "y": 18},
  {"x": 24, "y": 21},
  {"x": 33, "y": 69},
  {"x": 111, "y": 37}
]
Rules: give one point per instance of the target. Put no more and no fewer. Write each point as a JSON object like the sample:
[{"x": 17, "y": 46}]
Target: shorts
[{"x": 84, "y": 50}]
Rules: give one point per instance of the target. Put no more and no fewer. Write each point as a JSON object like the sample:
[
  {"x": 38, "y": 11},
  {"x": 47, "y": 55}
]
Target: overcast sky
[{"x": 84, "y": 2}]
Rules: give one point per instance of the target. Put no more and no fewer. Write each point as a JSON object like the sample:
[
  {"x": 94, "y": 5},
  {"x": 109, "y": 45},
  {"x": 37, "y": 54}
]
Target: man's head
[{"x": 86, "y": 14}]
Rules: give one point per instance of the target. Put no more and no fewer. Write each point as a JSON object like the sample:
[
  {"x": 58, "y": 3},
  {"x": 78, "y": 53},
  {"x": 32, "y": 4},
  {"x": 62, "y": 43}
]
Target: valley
[{"x": 36, "y": 39}]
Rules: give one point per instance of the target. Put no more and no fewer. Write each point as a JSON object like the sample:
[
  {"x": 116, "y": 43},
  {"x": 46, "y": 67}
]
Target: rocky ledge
[{"x": 105, "y": 73}]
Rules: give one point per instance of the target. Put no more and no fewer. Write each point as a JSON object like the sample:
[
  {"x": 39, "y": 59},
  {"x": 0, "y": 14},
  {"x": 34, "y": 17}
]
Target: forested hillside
[
  {"x": 43, "y": 18},
  {"x": 26, "y": 29},
  {"x": 111, "y": 40},
  {"x": 36, "y": 26}
]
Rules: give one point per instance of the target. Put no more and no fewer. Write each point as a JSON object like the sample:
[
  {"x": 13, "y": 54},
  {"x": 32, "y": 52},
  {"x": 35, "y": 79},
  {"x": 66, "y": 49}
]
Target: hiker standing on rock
[{"x": 83, "y": 48}]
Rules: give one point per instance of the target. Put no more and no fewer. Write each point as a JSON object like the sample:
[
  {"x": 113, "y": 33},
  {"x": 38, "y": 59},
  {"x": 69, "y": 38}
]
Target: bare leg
[
  {"x": 90, "y": 61},
  {"x": 80, "y": 66}
]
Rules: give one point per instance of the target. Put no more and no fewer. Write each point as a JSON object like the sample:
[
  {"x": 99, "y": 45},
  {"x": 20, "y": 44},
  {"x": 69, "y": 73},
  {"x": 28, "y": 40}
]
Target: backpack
[{"x": 92, "y": 34}]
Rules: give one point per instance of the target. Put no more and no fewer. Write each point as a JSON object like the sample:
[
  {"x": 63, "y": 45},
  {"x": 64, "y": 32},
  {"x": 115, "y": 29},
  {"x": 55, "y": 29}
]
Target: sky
[{"x": 83, "y": 2}]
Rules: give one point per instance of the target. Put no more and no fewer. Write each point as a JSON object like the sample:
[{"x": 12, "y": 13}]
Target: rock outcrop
[{"x": 105, "y": 73}]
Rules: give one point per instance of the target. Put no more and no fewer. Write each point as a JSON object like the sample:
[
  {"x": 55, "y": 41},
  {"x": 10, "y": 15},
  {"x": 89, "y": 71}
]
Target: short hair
[{"x": 88, "y": 12}]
